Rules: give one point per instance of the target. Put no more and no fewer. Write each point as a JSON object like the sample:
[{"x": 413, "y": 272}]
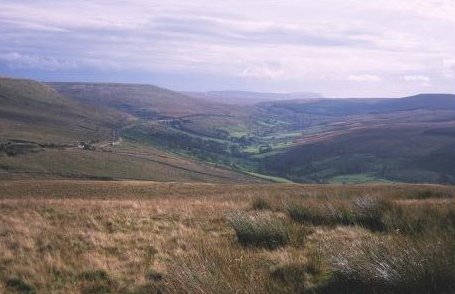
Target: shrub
[
  {"x": 260, "y": 231},
  {"x": 260, "y": 204}
]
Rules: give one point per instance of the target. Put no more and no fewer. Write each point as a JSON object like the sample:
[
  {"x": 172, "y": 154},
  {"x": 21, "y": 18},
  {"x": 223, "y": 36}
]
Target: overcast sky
[{"x": 340, "y": 48}]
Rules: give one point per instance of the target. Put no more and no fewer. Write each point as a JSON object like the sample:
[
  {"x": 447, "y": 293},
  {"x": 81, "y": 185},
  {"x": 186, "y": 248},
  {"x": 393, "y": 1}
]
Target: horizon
[
  {"x": 353, "y": 49},
  {"x": 185, "y": 92}
]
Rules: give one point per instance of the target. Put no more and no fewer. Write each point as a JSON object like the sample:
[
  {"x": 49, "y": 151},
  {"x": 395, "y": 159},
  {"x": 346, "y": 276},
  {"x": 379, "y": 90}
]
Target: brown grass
[{"x": 143, "y": 237}]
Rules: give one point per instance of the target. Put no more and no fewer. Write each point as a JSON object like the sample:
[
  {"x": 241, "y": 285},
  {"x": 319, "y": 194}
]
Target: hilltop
[
  {"x": 142, "y": 101},
  {"x": 250, "y": 98}
]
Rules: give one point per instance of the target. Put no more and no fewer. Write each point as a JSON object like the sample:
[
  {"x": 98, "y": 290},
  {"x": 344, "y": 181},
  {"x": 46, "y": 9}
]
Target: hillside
[
  {"x": 309, "y": 140},
  {"x": 406, "y": 153},
  {"x": 142, "y": 101},
  {"x": 33, "y": 111},
  {"x": 346, "y": 106},
  {"x": 249, "y": 98},
  {"x": 406, "y": 140},
  {"x": 40, "y": 130},
  {"x": 149, "y": 133}
]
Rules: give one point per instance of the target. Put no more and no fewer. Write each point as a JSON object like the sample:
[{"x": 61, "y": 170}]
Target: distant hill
[
  {"x": 412, "y": 153},
  {"x": 249, "y": 98},
  {"x": 143, "y": 101},
  {"x": 125, "y": 131},
  {"x": 341, "y": 107},
  {"x": 34, "y": 111},
  {"x": 409, "y": 139}
]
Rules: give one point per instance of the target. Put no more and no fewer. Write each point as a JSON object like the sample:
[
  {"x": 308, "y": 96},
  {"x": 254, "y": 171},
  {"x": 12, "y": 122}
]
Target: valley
[
  {"x": 121, "y": 188},
  {"x": 227, "y": 147},
  {"x": 311, "y": 140}
]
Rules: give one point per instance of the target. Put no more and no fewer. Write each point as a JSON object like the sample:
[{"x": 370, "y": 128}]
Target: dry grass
[
  {"x": 260, "y": 231},
  {"x": 392, "y": 264},
  {"x": 142, "y": 237}
]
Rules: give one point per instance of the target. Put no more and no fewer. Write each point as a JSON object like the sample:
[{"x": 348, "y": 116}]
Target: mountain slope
[
  {"x": 405, "y": 146},
  {"x": 40, "y": 130},
  {"x": 33, "y": 111},
  {"x": 249, "y": 98},
  {"x": 148, "y": 133},
  {"x": 143, "y": 101},
  {"x": 341, "y": 107}
]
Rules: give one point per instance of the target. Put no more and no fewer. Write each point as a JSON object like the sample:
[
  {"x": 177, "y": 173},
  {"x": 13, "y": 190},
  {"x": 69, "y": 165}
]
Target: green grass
[
  {"x": 267, "y": 177},
  {"x": 34, "y": 111},
  {"x": 284, "y": 135},
  {"x": 357, "y": 179},
  {"x": 124, "y": 162}
]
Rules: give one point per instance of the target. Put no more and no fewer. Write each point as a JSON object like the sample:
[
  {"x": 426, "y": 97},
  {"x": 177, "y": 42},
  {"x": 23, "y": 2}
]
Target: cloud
[
  {"x": 364, "y": 78},
  {"x": 267, "y": 70},
  {"x": 422, "y": 80},
  {"x": 283, "y": 44},
  {"x": 416, "y": 78},
  {"x": 18, "y": 60},
  {"x": 15, "y": 60},
  {"x": 448, "y": 68}
]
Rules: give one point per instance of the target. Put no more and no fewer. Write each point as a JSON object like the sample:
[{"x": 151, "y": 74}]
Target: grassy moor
[
  {"x": 227, "y": 147},
  {"x": 101, "y": 196},
  {"x": 148, "y": 237}
]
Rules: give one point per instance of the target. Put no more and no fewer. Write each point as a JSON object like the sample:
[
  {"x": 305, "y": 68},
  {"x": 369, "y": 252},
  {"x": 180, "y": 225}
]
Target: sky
[{"x": 349, "y": 48}]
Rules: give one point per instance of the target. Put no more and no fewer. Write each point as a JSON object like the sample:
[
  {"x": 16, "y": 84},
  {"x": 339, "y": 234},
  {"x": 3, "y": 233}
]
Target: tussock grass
[
  {"x": 290, "y": 278},
  {"x": 421, "y": 219},
  {"x": 431, "y": 194},
  {"x": 368, "y": 212},
  {"x": 308, "y": 215},
  {"x": 260, "y": 231},
  {"x": 217, "y": 267},
  {"x": 95, "y": 275},
  {"x": 18, "y": 285},
  {"x": 363, "y": 211},
  {"x": 260, "y": 204},
  {"x": 153, "y": 276},
  {"x": 392, "y": 264},
  {"x": 299, "y": 273},
  {"x": 141, "y": 237}
]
